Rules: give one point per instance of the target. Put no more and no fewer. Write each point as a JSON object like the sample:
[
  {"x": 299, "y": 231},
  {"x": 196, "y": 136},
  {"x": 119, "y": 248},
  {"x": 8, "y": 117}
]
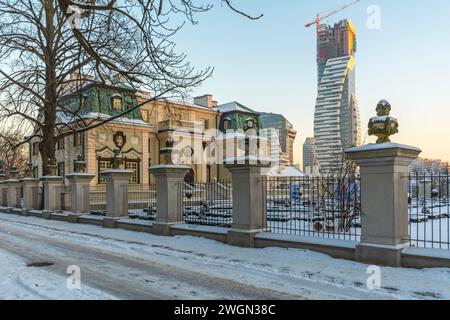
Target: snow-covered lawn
[
  {"x": 429, "y": 222},
  {"x": 291, "y": 271}
]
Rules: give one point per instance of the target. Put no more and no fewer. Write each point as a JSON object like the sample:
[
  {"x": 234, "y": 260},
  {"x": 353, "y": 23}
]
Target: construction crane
[{"x": 319, "y": 18}]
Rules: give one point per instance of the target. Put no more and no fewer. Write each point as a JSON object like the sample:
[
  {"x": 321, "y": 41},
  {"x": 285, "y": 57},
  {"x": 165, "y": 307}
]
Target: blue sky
[{"x": 269, "y": 65}]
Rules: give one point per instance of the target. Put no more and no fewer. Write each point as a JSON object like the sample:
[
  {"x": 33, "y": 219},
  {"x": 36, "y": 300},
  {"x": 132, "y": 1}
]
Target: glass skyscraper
[
  {"x": 283, "y": 151},
  {"x": 309, "y": 153},
  {"x": 337, "y": 123}
]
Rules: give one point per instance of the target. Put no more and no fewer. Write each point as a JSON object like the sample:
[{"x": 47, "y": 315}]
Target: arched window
[{"x": 117, "y": 102}]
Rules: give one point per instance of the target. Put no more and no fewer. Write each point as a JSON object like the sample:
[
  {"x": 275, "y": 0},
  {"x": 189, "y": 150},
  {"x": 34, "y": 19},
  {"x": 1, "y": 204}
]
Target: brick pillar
[
  {"x": 168, "y": 196},
  {"x": 248, "y": 203},
  {"x": 53, "y": 187},
  {"x": 14, "y": 197},
  {"x": 80, "y": 190},
  {"x": 116, "y": 195},
  {"x": 384, "y": 201},
  {"x": 30, "y": 194}
]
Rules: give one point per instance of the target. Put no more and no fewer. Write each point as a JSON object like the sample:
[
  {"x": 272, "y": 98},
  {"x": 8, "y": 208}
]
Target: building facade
[
  {"x": 196, "y": 129},
  {"x": 310, "y": 162},
  {"x": 421, "y": 166},
  {"x": 142, "y": 132},
  {"x": 236, "y": 120},
  {"x": 282, "y": 149},
  {"x": 337, "y": 123}
]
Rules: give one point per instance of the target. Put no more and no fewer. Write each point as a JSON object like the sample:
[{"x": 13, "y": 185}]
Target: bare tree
[
  {"x": 340, "y": 194},
  {"x": 9, "y": 155},
  {"x": 44, "y": 43}
]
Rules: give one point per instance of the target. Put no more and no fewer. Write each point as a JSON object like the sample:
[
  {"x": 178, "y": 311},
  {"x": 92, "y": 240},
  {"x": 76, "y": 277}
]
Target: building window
[
  {"x": 61, "y": 169},
  {"x": 144, "y": 114},
  {"x": 60, "y": 144},
  {"x": 205, "y": 124},
  {"x": 133, "y": 166},
  {"x": 226, "y": 124},
  {"x": 104, "y": 164},
  {"x": 35, "y": 148},
  {"x": 117, "y": 102},
  {"x": 78, "y": 139}
]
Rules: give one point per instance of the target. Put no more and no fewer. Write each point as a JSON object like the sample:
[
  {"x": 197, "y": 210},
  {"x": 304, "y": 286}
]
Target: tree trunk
[
  {"x": 48, "y": 142},
  {"x": 47, "y": 150}
]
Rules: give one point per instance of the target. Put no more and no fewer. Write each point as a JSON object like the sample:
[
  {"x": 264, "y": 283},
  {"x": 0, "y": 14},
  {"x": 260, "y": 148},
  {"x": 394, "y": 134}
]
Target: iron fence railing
[
  {"x": 41, "y": 196},
  {"x": 5, "y": 197},
  {"x": 21, "y": 196},
  {"x": 142, "y": 202},
  {"x": 97, "y": 199},
  {"x": 327, "y": 207},
  {"x": 206, "y": 203},
  {"x": 429, "y": 214}
]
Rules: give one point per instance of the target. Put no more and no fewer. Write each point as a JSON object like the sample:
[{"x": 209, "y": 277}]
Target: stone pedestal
[
  {"x": 384, "y": 201},
  {"x": 116, "y": 194},
  {"x": 14, "y": 193},
  {"x": 248, "y": 203},
  {"x": 80, "y": 189},
  {"x": 53, "y": 188},
  {"x": 30, "y": 193},
  {"x": 169, "y": 200}
]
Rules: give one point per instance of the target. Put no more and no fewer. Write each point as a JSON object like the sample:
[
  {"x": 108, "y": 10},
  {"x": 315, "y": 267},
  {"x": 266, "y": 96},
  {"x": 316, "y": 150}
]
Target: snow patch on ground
[{"x": 17, "y": 281}]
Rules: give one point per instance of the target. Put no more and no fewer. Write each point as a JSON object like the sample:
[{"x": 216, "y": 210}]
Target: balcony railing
[{"x": 168, "y": 125}]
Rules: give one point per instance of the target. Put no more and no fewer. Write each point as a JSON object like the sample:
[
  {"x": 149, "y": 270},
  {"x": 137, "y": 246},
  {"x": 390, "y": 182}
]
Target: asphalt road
[
  {"x": 121, "y": 275},
  {"x": 133, "y": 265}
]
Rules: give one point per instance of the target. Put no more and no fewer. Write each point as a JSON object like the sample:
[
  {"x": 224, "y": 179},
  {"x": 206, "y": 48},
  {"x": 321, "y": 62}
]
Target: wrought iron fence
[
  {"x": 142, "y": 201},
  {"x": 65, "y": 195},
  {"x": 207, "y": 203},
  {"x": 429, "y": 215},
  {"x": 327, "y": 207},
  {"x": 97, "y": 199},
  {"x": 5, "y": 197},
  {"x": 41, "y": 196}
]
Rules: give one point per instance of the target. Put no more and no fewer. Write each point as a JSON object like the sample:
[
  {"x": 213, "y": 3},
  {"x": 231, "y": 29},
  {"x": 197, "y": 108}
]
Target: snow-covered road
[{"x": 122, "y": 264}]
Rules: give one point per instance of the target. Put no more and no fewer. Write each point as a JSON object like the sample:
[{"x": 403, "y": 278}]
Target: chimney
[{"x": 205, "y": 101}]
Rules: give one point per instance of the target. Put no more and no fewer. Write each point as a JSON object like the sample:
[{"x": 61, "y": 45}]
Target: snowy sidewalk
[{"x": 290, "y": 272}]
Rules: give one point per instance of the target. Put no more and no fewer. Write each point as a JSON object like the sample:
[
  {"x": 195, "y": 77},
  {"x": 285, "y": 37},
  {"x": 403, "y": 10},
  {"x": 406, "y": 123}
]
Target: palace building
[{"x": 141, "y": 133}]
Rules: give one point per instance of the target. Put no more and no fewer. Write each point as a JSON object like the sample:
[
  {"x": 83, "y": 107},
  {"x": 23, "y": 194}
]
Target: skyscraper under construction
[{"x": 337, "y": 124}]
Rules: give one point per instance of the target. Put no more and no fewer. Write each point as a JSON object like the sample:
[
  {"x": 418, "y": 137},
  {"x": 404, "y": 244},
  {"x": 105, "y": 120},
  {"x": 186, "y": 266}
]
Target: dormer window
[
  {"x": 144, "y": 114},
  {"x": 83, "y": 98},
  {"x": 226, "y": 123},
  {"x": 117, "y": 102}
]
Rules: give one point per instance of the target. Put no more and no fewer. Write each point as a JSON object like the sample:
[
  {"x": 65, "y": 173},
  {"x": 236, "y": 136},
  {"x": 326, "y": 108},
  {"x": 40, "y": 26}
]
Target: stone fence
[{"x": 384, "y": 208}]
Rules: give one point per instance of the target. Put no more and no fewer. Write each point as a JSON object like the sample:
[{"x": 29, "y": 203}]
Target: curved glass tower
[{"x": 337, "y": 124}]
